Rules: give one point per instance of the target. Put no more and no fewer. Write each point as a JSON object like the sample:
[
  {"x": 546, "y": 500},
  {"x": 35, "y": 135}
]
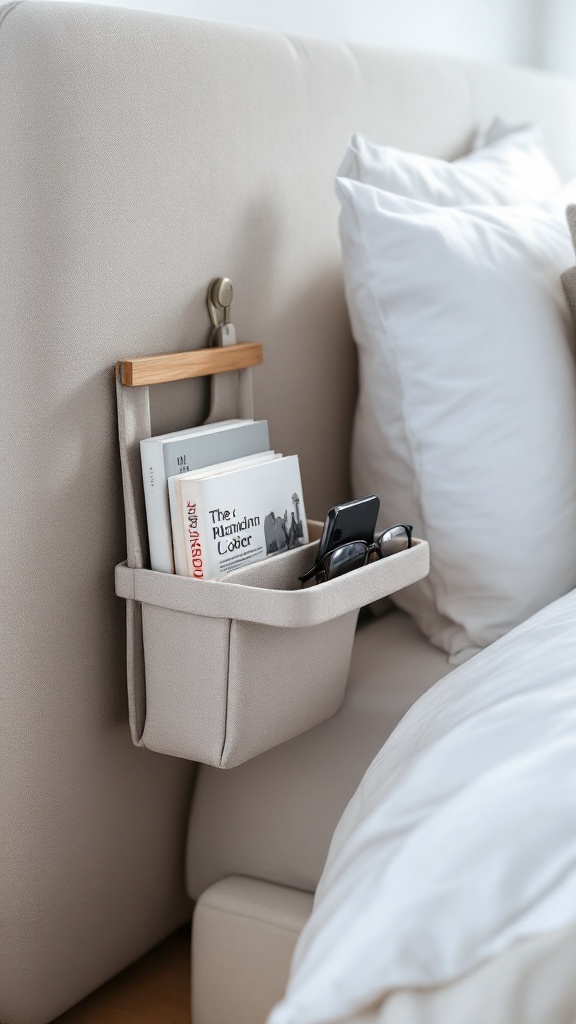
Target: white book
[
  {"x": 240, "y": 516},
  {"x": 182, "y": 451},
  {"x": 179, "y": 521}
]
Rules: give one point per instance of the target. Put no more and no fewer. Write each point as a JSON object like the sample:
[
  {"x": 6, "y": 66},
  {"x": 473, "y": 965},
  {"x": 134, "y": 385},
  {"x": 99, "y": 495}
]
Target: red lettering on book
[{"x": 194, "y": 542}]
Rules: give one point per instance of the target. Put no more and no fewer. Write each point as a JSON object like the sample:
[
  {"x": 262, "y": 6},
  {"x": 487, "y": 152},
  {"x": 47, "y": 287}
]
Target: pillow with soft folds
[
  {"x": 466, "y": 420},
  {"x": 509, "y": 168}
]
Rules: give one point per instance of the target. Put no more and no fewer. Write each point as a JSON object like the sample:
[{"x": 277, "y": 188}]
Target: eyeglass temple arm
[{"x": 311, "y": 572}]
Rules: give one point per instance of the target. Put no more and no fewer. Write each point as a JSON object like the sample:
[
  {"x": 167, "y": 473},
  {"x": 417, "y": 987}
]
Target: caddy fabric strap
[{"x": 231, "y": 397}]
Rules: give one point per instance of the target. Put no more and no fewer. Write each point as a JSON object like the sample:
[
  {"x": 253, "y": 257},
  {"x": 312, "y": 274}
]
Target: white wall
[
  {"x": 491, "y": 30},
  {"x": 556, "y": 35}
]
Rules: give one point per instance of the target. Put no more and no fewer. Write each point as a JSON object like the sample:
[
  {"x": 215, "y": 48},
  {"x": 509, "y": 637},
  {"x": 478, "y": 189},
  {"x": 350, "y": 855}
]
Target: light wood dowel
[{"x": 180, "y": 365}]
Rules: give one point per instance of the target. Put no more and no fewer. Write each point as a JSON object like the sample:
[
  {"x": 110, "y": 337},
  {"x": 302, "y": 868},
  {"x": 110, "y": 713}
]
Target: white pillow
[
  {"x": 466, "y": 421},
  {"x": 511, "y": 168}
]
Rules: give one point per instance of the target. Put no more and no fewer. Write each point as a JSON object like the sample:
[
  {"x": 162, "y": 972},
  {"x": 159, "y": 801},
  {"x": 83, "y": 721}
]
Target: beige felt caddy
[{"x": 221, "y": 670}]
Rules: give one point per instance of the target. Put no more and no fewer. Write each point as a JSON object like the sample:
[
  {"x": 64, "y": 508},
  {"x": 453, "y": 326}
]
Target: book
[
  {"x": 182, "y": 451},
  {"x": 238, "y": 516},
  {"x": 178, "y": 521}
]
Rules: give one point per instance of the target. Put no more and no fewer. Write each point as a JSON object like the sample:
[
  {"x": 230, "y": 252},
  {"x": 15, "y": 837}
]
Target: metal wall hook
[{"x": 219, "y": 299}]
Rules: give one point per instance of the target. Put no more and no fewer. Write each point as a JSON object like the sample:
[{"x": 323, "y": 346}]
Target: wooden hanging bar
[{"x": 202, "y": 362}]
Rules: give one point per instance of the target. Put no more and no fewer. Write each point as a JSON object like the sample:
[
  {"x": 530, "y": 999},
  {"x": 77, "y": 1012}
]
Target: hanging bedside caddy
[{"x": 222, "y": 670}]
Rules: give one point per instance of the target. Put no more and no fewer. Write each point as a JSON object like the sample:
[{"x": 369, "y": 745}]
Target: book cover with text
[
  {"x": 178, "y": 519},
  {"x": 241, "y": 516}
]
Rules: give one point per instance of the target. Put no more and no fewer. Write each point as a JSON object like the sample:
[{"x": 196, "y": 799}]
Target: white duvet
[{"x": 460, "y": 840}]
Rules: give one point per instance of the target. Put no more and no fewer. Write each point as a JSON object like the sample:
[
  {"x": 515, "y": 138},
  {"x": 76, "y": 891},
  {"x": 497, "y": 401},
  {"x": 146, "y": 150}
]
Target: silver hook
[{"x": 219, "y": 300}]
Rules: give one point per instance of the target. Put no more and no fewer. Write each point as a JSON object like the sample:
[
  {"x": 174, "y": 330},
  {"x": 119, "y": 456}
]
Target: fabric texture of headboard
[{"x": 141, "y": 155}]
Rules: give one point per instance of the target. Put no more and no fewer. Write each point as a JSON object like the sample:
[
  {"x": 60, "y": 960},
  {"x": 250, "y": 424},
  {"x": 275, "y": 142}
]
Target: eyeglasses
[{"x": 357, "y": 553}]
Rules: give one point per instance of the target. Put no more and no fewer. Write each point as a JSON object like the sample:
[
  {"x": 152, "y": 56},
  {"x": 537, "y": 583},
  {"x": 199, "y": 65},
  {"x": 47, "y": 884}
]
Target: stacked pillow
[
  {"x": 466, "y": 419},
  {"x": 506, "y": 166}
]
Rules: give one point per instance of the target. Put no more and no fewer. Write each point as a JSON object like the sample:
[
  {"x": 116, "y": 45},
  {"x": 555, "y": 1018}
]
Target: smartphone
[{"x": 356, "y": 520}]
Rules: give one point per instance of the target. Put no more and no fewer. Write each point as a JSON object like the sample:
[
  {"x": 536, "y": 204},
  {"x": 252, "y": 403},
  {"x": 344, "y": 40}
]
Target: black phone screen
[{"x": 356, "y": 520}]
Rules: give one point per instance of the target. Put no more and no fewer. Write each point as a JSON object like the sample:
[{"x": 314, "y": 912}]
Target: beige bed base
[{"x": 244, "y": 935}]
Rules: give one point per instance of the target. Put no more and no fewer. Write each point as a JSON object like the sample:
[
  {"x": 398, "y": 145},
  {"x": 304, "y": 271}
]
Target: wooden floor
[{"x": 155, "y": 990}]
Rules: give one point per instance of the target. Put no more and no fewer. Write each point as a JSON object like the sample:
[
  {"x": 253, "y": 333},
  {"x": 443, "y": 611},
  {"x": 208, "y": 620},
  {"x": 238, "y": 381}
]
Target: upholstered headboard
[{"x": 141, "y": 155}]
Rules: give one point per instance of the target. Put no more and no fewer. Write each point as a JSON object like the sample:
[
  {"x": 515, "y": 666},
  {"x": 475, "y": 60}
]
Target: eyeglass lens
[
  {"x": 355, "y": 554},
  {"x": 398, "y": 538},
  {"x": 345, "y": 559}
]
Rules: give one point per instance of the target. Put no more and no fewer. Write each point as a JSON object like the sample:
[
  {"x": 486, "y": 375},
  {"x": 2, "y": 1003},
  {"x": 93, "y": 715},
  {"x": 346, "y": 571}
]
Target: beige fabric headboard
[{"x": 141, "y": 155}]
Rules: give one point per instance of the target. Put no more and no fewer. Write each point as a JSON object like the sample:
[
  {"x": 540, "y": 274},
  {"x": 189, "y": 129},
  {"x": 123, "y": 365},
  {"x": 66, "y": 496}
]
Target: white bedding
[{"x": 460, "y": 840}]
